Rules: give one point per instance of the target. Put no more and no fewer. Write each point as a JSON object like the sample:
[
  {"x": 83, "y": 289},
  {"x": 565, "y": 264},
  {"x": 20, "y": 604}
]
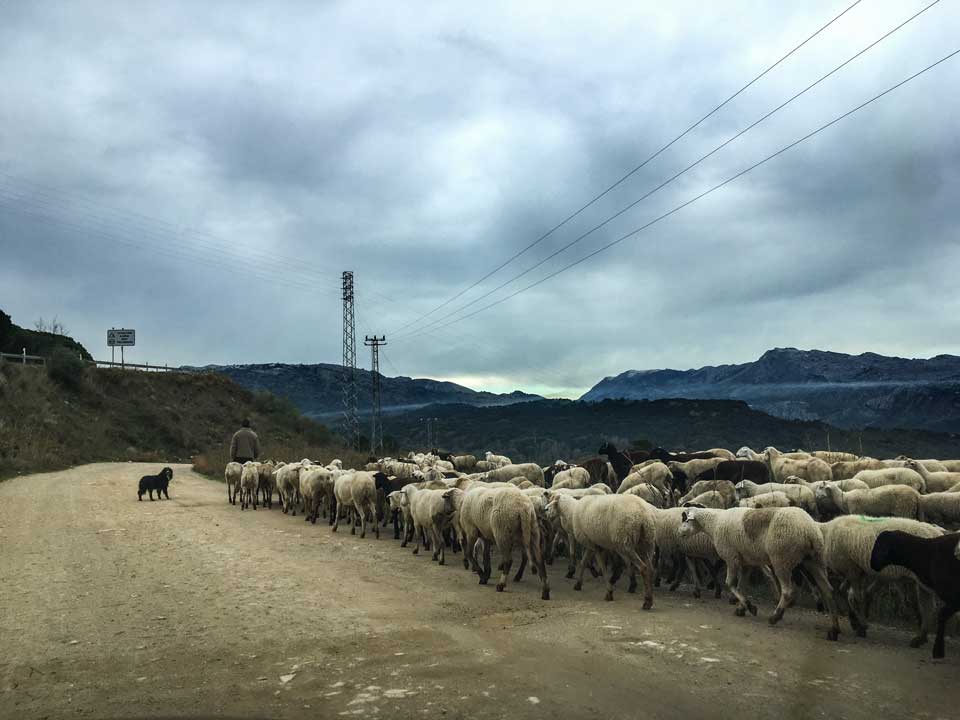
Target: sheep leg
[
  {"x": 855, "y": 605},
  {"x": 645, "y": 568},
  {"x": 925, "y": 606},
  {"x": 523, "y": 566},
  {"x": 334, "y": 518},
  {"x": 437, "y": 546},
  {"x": 535, "y": 552},
  {"x": 442, "y": 549},
  {"x": 946, "y": 612},
  {"x": 606, "y": 561},
  {"x": 819, "y": 575},
  {"x": 587, "y": 556},
  {"x": 417, "y": 532},
  {"x": 358, "y": 509},
  {"x": 396, "y": 524},
  {"x": 506, "y": 561},
  {"x": 571, "y": 555},
  {"x": 691, "y": 565},
  {"x": 734, "y": 575},
  {"x": 376, "y": 526},
  {"x": 785, "y": 577},
  {"x": 487, "y": 546}
]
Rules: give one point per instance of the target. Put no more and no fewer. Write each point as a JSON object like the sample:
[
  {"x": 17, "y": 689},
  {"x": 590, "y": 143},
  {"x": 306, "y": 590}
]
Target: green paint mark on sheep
[{"x": 867, "y": 518}]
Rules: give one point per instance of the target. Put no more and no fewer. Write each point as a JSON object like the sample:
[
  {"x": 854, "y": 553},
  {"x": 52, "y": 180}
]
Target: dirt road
[{"x": 110, "y": 608}]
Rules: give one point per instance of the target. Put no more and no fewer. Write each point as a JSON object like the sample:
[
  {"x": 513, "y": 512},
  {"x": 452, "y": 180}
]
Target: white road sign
[{"x": 120, "y": 337}]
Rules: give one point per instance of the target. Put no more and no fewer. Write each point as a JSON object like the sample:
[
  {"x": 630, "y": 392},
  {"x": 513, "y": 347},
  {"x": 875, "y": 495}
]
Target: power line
[
  {"x": 703, "y": 194},
  {"x": 632, "y": 172},
  {"x": 219, "y": 244},
  {"x": 217, "y": 263},
  {"x": 52, "y": 211},
  {"x": 678, "y": 174}
]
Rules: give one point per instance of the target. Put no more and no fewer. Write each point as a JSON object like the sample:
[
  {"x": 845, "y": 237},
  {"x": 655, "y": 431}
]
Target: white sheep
[
  {"x": 343, "y": 493},
  {"x": 770, "y": 499},
  {"x": 882, "y": 501},
  {"x": 429, "y": 516},
  {"x": 724, "y": 487},
  {"x": 649, "y": 493},
  {"x": 931, "y": 465},
  {"x": 846, "y": 469},
  {"x": 288, "y": 486},
  {"x": 231, "y": 476},
  {"x": 249, "y": 480},
  {"x": 504, "y": 516},
  {"x": 848, "y": 544},
  {"x": 267, "y": 484},
  {"x": 800, "y": 495},
  {"x": 655, "y": 473},
  {"x": 848, "y": 484},
  {"x": 464, "y": 463},
  {"x": 708, "y": 499},
  {"x": 933, "y": 481},
  {"x": 528, "y": 471},
  {"x": 692, "y": 469},
  {"x": 363, "y": 496},
  {"x": 684, "y": 552},
  {"x": 611, "y": 527},
  {"x": 574, "y": 477},
  {"x": 314, "y": 484},
  {"x": 809, "y": 468},
  {"x": 497, "y": 460},
  {"x": 941, "y": 508},
  {"x": 782, "y": 539},
  {"x": 832, "y": 456},
  {"x": 892, "y": 476}
]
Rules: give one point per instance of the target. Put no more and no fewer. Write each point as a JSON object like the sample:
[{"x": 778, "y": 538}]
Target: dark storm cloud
[{"x": 232, "y": 159}]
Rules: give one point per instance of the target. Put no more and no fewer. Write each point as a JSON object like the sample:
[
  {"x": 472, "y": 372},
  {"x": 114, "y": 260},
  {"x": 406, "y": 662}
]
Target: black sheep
[
  {"x": 935, "y": 563},
  {"x": 159, "y": 482},
  {"x": 622, "y": 460}
]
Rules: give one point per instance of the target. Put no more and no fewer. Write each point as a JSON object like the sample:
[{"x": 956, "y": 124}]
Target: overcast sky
[{"x": 203, "y": 172}]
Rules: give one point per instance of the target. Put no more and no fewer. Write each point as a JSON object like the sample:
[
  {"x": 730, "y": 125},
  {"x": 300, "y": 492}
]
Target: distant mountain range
[
  {"x": 847, "y": 391},
  {"x": 317, "y": 389}
]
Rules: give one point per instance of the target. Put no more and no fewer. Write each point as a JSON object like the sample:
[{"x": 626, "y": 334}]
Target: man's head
[{"x": 246, "y": 422}]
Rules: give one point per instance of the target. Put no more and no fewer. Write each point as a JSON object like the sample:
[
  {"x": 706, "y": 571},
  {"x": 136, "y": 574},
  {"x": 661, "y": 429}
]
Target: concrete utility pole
[
  {"x": 351, "y": 426},
  {"x": 376, "y": 426}
]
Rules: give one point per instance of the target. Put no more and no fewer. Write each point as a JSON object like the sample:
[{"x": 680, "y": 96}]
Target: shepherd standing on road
[{"x": 245, "y": 444}]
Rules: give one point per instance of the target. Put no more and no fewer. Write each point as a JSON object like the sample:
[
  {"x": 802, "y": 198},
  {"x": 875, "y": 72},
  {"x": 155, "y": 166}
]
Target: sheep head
[{"x": 690, "y": 521}]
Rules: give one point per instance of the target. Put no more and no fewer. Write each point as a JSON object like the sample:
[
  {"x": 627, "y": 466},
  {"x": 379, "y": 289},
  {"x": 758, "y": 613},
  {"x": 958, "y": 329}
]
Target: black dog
[{"x": 149, "y": 483}]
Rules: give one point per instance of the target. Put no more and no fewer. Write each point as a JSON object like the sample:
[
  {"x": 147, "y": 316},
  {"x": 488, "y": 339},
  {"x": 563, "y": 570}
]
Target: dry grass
[{"x": 118, "y": 415}]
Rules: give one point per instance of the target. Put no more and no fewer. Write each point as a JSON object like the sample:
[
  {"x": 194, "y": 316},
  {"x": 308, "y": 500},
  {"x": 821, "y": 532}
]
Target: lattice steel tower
[
  {"x": 376, "y": 426},
  {"x": 351, "y": 426}
]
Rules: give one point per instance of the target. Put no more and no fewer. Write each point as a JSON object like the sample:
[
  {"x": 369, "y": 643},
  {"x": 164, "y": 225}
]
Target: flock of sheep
[{"x": 802, "y": 519}]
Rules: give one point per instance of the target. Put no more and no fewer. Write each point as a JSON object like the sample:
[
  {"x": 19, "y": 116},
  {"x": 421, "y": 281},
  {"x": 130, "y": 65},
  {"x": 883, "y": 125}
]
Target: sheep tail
[{"x": 530, "y": 532}]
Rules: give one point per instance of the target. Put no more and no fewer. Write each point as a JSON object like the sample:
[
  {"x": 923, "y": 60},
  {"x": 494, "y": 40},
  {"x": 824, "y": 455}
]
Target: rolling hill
[
  {"x": 316, "y": 389},
  {"x": 848, "y": 391}
]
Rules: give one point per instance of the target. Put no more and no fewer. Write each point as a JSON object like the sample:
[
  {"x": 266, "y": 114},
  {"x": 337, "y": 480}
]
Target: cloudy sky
[{"x": 203, "y": 172}]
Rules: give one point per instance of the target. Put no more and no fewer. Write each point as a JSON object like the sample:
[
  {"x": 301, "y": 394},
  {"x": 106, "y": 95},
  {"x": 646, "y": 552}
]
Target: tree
[{"x": 54, "y": 327}]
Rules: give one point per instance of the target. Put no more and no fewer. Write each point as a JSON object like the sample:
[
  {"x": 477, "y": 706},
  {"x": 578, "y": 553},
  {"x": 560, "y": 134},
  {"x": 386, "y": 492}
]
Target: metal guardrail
[
  {"x": 22, "y": 358},
  {"x": 138, "y": 366}
]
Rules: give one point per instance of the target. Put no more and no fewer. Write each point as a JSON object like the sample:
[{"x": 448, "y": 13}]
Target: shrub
[{"x": 66, "y": 368}]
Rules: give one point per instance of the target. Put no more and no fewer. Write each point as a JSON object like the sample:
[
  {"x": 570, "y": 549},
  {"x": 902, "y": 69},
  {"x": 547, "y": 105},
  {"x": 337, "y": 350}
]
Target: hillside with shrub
[
  {"x": 16, "y": 339},
  {"x": 71, "y": 413}
]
